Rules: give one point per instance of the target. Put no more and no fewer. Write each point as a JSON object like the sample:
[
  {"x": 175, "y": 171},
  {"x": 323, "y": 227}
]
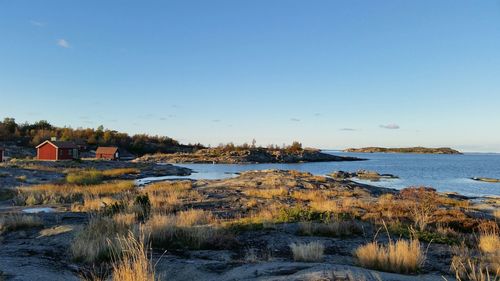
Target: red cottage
[
  {"x": 1, "y": 154},
  {"x": 57, "y": 150},
  {"x": 110, "y": 153}
]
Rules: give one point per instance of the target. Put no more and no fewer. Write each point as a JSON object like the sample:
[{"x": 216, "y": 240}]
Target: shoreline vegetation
[
  {"x": 416, "y": 150},
  {"x": 300, "y": 225},
  {"x": 244, "y": 154}
]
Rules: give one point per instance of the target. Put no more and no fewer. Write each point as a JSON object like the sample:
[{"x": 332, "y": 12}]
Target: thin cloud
[
  {"x": 37, "y": 23},
  {"x": 216, "y": 120},
  {"x": 318, "y": 114},
  {"x": 390, "y": 126},
  {"x": 294, "y": 119},
  {"x": 347, "y": 129},
  {"x": 63, "y": 43}
]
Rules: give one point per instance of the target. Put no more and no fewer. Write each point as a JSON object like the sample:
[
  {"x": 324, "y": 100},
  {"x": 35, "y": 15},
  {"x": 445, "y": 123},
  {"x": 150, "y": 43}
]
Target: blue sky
[{"x": 331, "y": 74}]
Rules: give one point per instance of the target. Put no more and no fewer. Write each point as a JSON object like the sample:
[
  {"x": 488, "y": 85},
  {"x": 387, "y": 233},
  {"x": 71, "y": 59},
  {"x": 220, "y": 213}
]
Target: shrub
[
  {"x": 310, "y": 252},
  {"x": 422, "y": 202},
  {"x": 403, "y": 256}
]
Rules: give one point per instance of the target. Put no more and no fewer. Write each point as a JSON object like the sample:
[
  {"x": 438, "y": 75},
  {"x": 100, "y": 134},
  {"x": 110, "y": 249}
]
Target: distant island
[
  {"x": 229, "y": 154},
  {"x": 417, "y": 150}
]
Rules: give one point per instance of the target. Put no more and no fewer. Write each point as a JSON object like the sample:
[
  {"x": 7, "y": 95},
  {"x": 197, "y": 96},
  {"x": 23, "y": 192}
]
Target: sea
[{"x": 445, "y": 173}]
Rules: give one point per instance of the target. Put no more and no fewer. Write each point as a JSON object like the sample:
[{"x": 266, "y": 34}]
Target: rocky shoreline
[
  {"x": 245, "y": 156},
  {"x": 416, "y": 150}
]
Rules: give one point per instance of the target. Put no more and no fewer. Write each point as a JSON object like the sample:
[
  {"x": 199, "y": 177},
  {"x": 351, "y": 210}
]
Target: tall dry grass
[
  {"x": 97, "y": 240},
  {"x": 166, "y": 197},
  {"x": 192, "y": 228},
  {"x": 402, "y": 256},
  {"x": 133, "y": 263},
  {"x": 12, "y": 222},
  {"x": 310, "y": 252}
]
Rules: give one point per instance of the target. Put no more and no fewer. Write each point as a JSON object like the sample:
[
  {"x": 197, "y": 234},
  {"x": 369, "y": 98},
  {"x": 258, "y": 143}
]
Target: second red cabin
[
  {"x": 110, "y": 153},
  {"x": 57, "y": 150}
]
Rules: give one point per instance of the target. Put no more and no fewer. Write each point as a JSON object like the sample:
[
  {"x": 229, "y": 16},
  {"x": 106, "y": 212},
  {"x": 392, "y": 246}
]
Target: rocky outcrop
[
  {"x": 492, "y": 180},
  {"x": 251, "y": 155},
  {"x": 417, "y": 150},
  {"x": 361, "y": 174}
]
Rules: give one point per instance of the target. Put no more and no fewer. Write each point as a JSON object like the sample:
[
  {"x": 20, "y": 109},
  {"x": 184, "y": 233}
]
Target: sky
[{"x": 330, "y": 74}]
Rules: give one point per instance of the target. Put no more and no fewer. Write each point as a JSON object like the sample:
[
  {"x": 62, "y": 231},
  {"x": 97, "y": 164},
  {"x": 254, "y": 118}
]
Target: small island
[
  {"x": 230, "y": 154},
  {"x": 416, "y": 150}
]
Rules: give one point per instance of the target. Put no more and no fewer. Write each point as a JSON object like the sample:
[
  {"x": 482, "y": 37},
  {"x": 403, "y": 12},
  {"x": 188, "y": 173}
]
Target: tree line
[{"x": 32, "y": 134}]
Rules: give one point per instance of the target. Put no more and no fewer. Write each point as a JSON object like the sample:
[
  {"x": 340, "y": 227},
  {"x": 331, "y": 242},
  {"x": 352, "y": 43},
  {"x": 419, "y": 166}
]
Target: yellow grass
[
  {"x": 93, "y": 203},
  {"x": 113, "y": 173},
  {"x": 67, "y": 193},
  {"x": 267, "y": 193},
  {"x": 191, "y": 228},
  {"x": 403, "y": 256},
  {"x": 133, "y": 264},
  {"x": 13, "y": 222},
  {"x": 125, "y": 219},
  {"x": 169, "y": 196},
  {"x": 310, "y": 252},
  {"x": 489, "y": 243}
]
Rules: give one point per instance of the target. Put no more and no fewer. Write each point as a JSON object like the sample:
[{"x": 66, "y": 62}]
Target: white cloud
[
  {"x": 347, "y": 129},
  {"x": 63, "y": 43},
  {"x": 37, "y": 23},
  {"x": 294, "y": 119},
  {"x": 390, "y": 126}
]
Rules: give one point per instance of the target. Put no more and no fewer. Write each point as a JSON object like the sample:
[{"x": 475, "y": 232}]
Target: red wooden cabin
[
  {"x": 57, "y": 150},
  {"x": 105, "y": 152}
]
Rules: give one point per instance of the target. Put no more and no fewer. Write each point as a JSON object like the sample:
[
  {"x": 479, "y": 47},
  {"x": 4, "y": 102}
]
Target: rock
[
  {"x": 492, "y": 180},
  {"x": 418, "y": 150},
  {"x": 361, "y": 174},
  {"x": 250, "y": 155}
]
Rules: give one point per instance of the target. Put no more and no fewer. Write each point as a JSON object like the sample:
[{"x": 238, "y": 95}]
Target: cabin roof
[
  {"x": 59, "y": 144},
  {"x": 106, "y": 150}
]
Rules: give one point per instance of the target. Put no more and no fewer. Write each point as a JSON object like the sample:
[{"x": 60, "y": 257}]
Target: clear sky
[{"x": 331, "y": 74}]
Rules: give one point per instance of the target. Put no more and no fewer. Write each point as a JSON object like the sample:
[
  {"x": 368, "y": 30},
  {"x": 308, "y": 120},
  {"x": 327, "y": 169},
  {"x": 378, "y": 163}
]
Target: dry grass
[
  {"x": 310, "y": 252},
  {"x": 496, "y": 214},
  {"x": 192, "y": 229},
  {"x": 490, "y": 243},
  {"x": 66, "y": 193},
  {"x": 97, "y": 240},
  {"x": 113, "y": 173},
  {"x": 93, "y": 203},
  {"x": 89, "y": 177},
  {"x": 472, "y": 270},
  {"x": 170, "y": 196},
  {"x": 125, "y": 219},
  {"x": 14, "y": 222},
  {"x": 330, "y": 229},
  {"x": 133, "y": 264},
  {"x": 403, "y": 256},
  {"x": 267, "y": 193}
]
